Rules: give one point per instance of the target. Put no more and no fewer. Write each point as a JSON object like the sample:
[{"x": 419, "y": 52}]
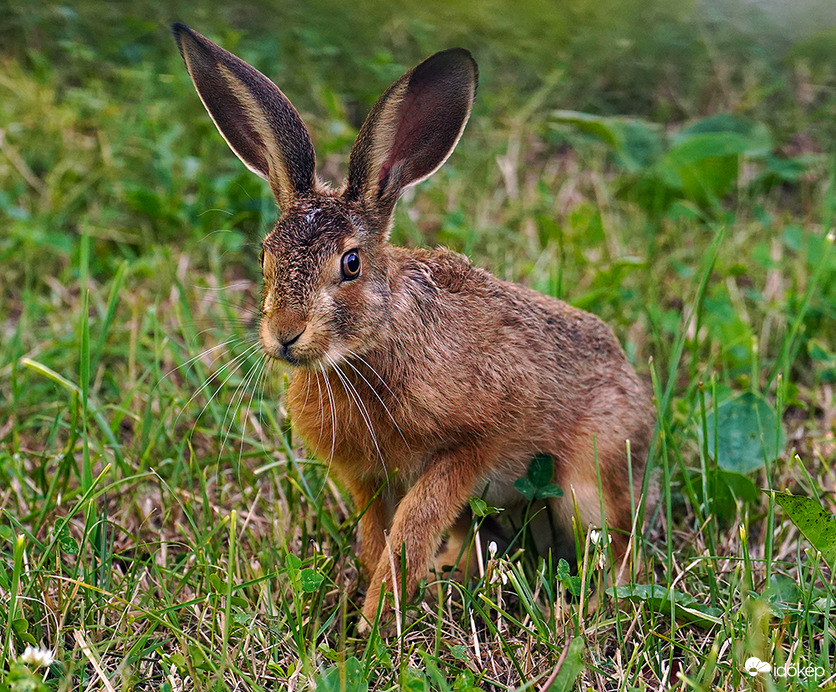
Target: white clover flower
[
  {"x": 492, "y": 549},
  {"x": 37, "y": 657},
  {"x": 597, "y": 538}
]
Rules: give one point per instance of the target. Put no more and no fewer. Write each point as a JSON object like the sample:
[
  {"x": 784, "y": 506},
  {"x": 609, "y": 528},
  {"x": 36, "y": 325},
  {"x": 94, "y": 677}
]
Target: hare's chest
[{"x": 346, "y": 422}]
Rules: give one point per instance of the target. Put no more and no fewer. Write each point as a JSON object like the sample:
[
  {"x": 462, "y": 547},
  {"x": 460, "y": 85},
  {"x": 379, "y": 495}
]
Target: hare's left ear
[
  {"x": 253, "y": 115},
  {"x": 412, "y": 129}
]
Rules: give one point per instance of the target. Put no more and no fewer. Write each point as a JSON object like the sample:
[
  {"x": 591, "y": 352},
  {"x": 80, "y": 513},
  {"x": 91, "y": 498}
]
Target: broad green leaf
[
  {"x": 571, "y": 668},
  {"x": 311, "y": 580},
  {"x": 480, "y": 508},
  {"x": 748, "y": 433},
  {"x": 669, "y": 601},
  {"x": 550, "y": 490},
  {"x": 571, "y": 582},
  {"x": 21, "y": 629},
  {"x": 635, "y": 143},
  {"x": 727, "y": 488},
  {"x": 753, "y": 136},
  {"x": 217, "y": 585},
  {"x": 541, "y": 470},
  {"x": 783, "y": 591},
  {"x": 704, "y": 166},
  {"x": 68, "y": 544},
  {"x": 814, "y": 521},
  {"x": 704, "y": 158},
  {"x": 525, "y": 487},
  {"x": 413, "y": 680},
  {"x": 344, "y": 677}
]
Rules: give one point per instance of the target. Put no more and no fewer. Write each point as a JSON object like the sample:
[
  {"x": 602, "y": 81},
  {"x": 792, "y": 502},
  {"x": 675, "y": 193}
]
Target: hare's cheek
[{"x": 269, "y": 342}]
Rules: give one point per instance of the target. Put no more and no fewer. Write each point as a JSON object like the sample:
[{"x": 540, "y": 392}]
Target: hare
[{"x": 420, "y": 379}]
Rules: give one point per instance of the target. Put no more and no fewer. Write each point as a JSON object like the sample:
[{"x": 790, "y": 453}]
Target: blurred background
[
  {"x": 669, "y": 166},
  {"x": 101, "y": 127}
]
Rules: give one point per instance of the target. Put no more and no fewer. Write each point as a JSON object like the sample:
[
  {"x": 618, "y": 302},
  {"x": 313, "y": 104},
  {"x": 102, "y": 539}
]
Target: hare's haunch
[{"x": 420, "y": 379}]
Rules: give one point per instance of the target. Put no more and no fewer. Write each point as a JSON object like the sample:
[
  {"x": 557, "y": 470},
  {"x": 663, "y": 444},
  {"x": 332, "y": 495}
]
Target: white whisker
[
  {"x": 321, "y": 407},
  {"x": 361, "y": 407},
  {"x": 332, "y": 403},
  {"x": 199, "y": 355},
  {"x": 376, "y": 373},
  {"x": 254, "y": 385},
  {"x": 236, "y": 362},
  {"x": 382, "y": 403},
  {"x": 232, "y": 406},
  {"x": 231, "y": 364}
]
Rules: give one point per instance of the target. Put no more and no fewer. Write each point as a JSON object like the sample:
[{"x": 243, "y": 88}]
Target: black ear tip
[
  {"x": 457, "y": 62},
  {"x": 462, "y": 53},
  {"x": 181, "y": 31}
]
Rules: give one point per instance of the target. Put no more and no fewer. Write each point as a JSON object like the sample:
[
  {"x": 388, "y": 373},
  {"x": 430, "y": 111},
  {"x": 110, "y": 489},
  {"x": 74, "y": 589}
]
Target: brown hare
[{"x": 421, "y": 380}]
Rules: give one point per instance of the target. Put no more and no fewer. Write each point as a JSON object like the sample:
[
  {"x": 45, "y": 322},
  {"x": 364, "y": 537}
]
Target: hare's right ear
[
  {"x": 412, "y": 129},
  {"x": 253, "y": 115}
]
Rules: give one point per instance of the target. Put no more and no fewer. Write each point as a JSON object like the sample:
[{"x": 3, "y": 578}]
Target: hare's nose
[
  {"x": 285, "y": 350},
  {"x": 292, "y": 340}
]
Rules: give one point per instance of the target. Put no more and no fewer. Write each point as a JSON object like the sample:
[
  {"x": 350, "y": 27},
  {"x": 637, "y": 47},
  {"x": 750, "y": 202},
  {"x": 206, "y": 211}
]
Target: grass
[{"x": 162, "y": 527}]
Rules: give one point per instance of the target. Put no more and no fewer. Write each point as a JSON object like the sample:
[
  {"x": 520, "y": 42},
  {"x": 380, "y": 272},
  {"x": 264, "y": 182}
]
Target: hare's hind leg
[{"x": 596, "y": 485}]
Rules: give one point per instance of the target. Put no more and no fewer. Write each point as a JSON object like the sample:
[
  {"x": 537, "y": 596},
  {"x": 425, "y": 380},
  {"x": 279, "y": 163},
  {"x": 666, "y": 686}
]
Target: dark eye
[
  {"x": 351, "y": 265},
  {"x": 261, "y": 257}
]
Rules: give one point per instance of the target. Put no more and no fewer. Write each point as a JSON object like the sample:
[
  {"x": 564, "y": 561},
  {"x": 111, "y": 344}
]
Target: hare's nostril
[
  {"x": 292, "y": 340},
  {"x": 285, "y": 349}
]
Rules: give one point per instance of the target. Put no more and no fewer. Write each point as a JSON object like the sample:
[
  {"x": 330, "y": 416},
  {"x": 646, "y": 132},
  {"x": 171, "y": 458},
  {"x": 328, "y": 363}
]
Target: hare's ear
[
  {"x": 253, "y": 115},
  {"x": 412, "y": 129}
]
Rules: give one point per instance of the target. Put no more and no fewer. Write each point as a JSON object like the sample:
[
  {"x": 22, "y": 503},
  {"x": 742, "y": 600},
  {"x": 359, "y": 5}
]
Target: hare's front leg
[
  {"x": 372, "y": 529},
  {"x": 430, "y": 506}
]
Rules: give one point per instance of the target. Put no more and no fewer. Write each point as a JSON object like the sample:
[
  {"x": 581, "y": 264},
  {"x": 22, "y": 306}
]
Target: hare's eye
[
  {"x": 351, "y": 265},
  {"x": 261, "y": 257}
]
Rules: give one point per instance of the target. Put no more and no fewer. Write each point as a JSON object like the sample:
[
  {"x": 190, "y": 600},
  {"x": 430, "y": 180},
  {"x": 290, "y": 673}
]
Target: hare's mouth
[
  {"x": 293, "y": 354},
  {"x": 292, "y": 357}
]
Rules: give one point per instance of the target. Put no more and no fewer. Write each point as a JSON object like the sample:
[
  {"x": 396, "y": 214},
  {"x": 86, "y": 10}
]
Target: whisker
[
  {"x": 207, "y": 382},
  {"x": 253, "y": 386},
  {"x": 385, "y": 408},
  {"x": 307, "y": 387},
  {"x": 242, "y": 388},
  {"x": 199, "y": 355},
  {"x": 376, "y": 373},
  {"x": 240, "y": 358},
  {"x": 332, "y": 403},
  {"x": 252, "y": 309},
  {"x": 361, "y": 407},
  {"x": 321, "y": 407}
]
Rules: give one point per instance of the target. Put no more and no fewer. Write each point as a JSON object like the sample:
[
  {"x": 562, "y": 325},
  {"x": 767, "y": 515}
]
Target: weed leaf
[
  {"x": 571, "y": 668},
  {"x": 541, "y": 470},
  {"x": 525, "y": 487},
  {"x": 748, "y": 433},
  {"x": 670, "y": 602},
  {"x": 814, "y": 521},
  {"x": 311, "y": 580},
  {"x": 344, "y": 677}
]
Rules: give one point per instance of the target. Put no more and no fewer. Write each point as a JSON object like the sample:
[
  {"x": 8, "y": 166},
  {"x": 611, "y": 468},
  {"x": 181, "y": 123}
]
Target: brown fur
[{"x": 425, "y": 379}]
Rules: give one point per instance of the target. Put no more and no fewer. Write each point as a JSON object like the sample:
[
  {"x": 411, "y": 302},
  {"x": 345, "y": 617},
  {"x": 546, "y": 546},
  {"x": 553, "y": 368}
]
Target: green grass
[{"x": 161, "y": 527}]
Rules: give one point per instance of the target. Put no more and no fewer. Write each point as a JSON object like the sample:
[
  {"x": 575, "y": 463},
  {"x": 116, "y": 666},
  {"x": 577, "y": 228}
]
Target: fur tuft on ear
[
  {"x": 255, "y": 118},
  {"x": 412, "y": 129}
]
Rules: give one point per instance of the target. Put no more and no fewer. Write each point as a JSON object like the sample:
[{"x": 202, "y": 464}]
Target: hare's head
[{"x": 326, "y": 263}]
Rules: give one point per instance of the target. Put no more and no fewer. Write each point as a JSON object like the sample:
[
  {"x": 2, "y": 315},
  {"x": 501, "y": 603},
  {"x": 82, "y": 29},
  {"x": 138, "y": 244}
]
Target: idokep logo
[{"x": 754, "y": 665}]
